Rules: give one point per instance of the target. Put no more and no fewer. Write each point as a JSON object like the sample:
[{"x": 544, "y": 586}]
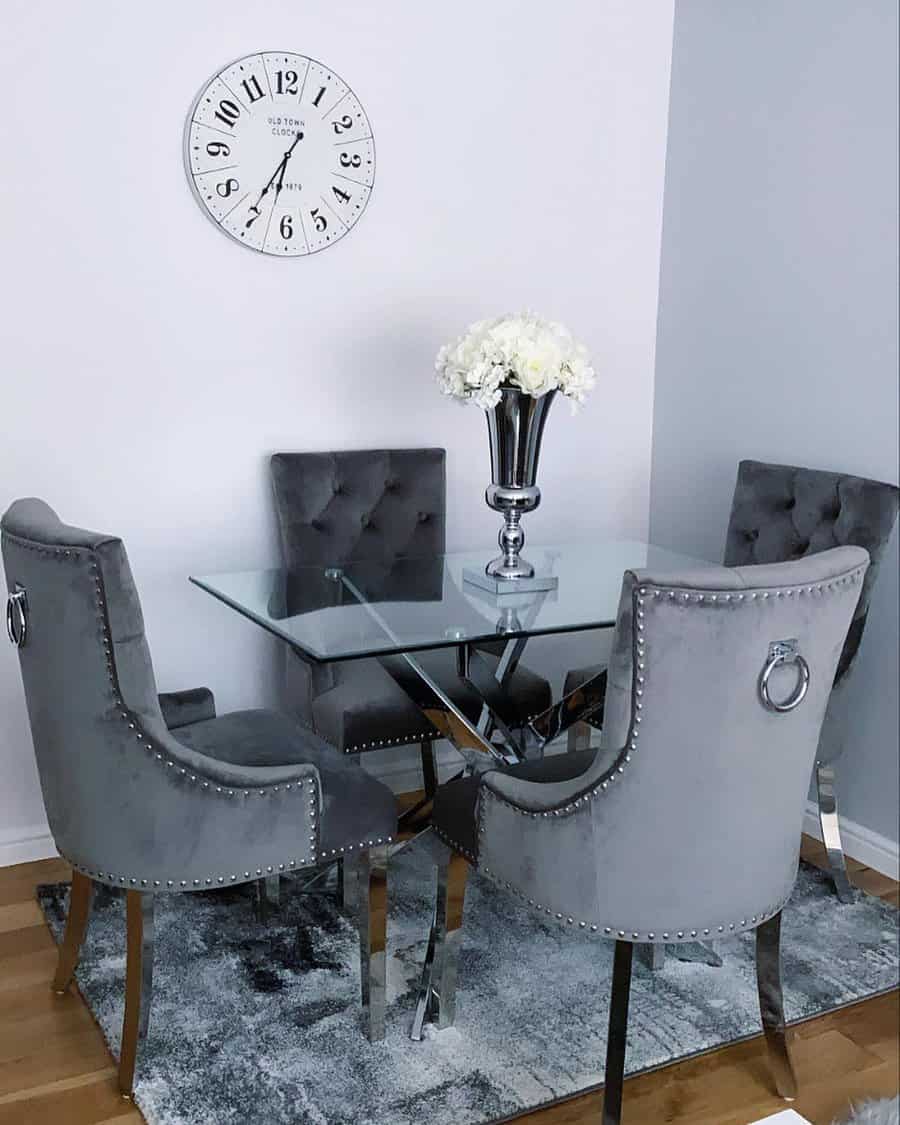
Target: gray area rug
[{"x": 255, "y": 1025}]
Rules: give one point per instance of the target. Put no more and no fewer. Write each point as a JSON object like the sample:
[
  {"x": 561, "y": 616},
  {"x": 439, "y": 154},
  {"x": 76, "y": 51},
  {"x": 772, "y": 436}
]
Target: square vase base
[{"x": 494, "y": 585}]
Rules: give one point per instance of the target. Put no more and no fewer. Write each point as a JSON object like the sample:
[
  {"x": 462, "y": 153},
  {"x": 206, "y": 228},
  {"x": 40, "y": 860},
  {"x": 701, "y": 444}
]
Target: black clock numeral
[
  {"x": 228, "y": 112},
  {"x": 286, "y": 82},
  {"x": 342, "y": 196},
  {"x": 253, "y": 88},
  {"x": 319, "y": 96},
  {"x": 345, "y": 123},
  {"x": 218, "y": 148},
  {"x": 286, "y": 227},
  {"x": 321, "y": 223},
  {"x": 226, "y": 187},
  {"x": 348, "y": 161}
]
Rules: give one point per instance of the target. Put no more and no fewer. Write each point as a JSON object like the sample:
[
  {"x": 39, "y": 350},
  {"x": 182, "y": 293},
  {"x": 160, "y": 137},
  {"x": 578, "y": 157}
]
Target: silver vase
[{"x": 515, "y": 429}]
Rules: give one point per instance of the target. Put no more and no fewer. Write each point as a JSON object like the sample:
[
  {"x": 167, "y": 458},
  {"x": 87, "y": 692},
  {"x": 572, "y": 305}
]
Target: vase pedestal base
[{"x": 537, "y": 583}]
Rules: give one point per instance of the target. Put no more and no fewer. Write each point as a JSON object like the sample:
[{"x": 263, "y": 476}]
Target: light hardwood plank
[{"x": 19, "y": 916}]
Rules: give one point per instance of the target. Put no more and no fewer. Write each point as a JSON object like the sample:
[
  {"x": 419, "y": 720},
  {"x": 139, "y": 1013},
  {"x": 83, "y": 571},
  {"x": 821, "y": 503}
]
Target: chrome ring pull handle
[
  {"x": 784, "y": 652},
  {"x": 16, "y": 617}
]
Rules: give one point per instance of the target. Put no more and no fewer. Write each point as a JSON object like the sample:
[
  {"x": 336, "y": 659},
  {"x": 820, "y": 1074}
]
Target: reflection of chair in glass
[
  {"x": 685, "y": 824},
  {"x": 372, "y": 508},
  {"x": 780, "y": 512},
  {"x": 154, "y": 794}
]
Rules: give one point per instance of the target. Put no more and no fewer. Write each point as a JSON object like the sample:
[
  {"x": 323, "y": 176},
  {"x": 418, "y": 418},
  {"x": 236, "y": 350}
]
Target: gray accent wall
[{"x": 778, "y": 299}]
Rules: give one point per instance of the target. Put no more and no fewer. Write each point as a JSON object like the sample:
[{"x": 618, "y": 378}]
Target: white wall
[
  {"x": 778, "y": 298},
  {"x": 151, "y": 365}
]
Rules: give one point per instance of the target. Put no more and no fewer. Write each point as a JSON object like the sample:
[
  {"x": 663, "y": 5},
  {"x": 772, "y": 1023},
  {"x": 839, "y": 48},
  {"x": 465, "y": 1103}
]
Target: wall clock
[{"x": 280, "y": 154}]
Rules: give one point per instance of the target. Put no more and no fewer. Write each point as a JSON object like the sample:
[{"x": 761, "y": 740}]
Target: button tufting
[
  {"x": 424, "y": 517},
  {"x": 751, "y": 535},
  {"x": 789, "y": 505}
]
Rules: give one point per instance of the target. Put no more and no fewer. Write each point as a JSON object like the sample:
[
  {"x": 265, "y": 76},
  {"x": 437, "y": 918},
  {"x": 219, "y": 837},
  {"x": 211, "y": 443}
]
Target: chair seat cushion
[
  {"x": 455, "y": 803},
  {"x": 355, "y": 806},
  {"x": 366, "y": 709}
]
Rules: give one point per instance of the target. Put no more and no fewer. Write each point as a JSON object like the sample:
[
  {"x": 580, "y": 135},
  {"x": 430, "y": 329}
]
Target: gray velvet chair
[
  {"x": 372, "y": 505},
  {"x": 154, "y": 794},
  {"x": 782, "y": 512},
  {"x": 685, "y": 824}
]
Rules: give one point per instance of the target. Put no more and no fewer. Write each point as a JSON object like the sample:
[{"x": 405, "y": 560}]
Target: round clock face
[{"x": 280, "y": 153}]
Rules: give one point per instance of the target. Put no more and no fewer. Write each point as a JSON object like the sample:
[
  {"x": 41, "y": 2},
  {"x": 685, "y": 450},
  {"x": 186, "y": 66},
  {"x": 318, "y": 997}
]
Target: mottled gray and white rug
[{"x": 260, "y": 1025}]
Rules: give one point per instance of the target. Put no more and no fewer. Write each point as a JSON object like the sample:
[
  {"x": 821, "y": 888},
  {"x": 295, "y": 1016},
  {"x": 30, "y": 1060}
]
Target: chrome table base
[{"x": 437, "y": 990}]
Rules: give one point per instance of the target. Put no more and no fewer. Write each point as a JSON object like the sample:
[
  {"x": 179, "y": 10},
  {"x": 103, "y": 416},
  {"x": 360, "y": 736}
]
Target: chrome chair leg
[
  {"x": 437, "y": 991},
  {"x": 372, "y": 868},
  {"x": 76, "y": 927},
  {"x": 771, "y": 1006},
  {"x": 268, "y": 894},
  {"x": 831, "y": 832},
  {"x": 653, "y": 954},
  {"x": 351, "y": 874},
  {"x": 618, "y": 1034},
  {"x": 138, "y": 984}
]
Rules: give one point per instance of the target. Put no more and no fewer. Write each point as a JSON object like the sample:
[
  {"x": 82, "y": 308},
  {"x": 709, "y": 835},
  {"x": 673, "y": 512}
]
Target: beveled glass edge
[{"x": 390, "y": 649}]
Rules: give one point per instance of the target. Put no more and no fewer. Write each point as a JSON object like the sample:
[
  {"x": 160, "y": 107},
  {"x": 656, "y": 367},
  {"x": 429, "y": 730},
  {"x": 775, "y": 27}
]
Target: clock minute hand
[{"x": 279, "y": 172}]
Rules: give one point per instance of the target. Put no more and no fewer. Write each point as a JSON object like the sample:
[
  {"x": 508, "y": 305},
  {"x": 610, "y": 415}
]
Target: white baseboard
[
  {"x": 22, "y": 845},
  {"x": 860, "y": 843}
]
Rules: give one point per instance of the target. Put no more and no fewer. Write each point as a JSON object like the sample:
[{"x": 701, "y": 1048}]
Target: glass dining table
[{"x": 399, "y": 611}]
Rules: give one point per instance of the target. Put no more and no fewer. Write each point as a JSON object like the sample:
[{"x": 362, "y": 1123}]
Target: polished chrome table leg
[
  {"x": 268, "y": 895},
  {"x": 451, "y": 899},
  {"x": 424, "y": 1000},
  {"x": 831, "y": 832},
  {"x": 138, "y": 983},
  {"x": 771, "y": 1005},
  {"x": 437, "y": 991},
  {"x": 76, "y": 927},
  {"x": 618, "y": 1034},
  {"x": 373, "y": 937}
]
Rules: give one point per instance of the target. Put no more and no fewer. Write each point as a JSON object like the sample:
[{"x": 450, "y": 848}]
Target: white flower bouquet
[{"x": 533, "y": 355}]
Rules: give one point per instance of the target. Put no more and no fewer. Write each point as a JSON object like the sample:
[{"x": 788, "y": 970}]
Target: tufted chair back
[
  {"x": 689, "y": 821},
  {"x": 782, "y": 512},
  {"x": 126, "y": 800},
  {"x": 84, "y": 658},
  {"x": 374, "y": 504}
]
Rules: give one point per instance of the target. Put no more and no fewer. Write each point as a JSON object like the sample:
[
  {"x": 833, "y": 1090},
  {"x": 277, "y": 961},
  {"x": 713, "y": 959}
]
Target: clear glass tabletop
[{"x": 410, "y": 604}]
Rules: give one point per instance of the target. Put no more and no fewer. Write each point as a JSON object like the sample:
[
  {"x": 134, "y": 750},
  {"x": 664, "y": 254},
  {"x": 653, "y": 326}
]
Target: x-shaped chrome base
[{"x": 493, "y": 731}]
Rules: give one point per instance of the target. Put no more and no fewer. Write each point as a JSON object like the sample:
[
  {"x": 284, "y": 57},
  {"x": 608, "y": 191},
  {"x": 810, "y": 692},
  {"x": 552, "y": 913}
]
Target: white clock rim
[{"x": 186, "y": 157}]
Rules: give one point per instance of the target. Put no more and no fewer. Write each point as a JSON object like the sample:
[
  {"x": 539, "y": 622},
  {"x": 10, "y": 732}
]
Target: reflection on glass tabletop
[{"x": 368, "y": 608}]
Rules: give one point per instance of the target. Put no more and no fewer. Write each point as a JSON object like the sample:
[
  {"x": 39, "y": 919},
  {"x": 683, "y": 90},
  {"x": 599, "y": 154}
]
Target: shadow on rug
[{"x": 260, "y": 1025}]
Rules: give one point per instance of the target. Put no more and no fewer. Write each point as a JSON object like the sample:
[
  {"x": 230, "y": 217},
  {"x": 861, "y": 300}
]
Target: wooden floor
[{"x": 55, "y": 1069}]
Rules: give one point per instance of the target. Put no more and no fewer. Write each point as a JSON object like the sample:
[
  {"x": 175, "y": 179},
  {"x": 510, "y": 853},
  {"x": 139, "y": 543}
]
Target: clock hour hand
[{"x": 255, "y": 209}]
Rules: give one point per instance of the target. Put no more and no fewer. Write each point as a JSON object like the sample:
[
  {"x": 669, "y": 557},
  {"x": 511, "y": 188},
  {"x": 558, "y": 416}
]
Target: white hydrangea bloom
[{"x": 521, "y": 351}]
